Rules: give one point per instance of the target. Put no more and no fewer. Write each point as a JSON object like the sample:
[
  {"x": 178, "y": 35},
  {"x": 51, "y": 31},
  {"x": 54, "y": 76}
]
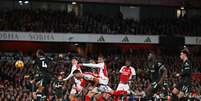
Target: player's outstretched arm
[
  {"x": 71, "y": 74},
  {"x": 93, "y": 65}
]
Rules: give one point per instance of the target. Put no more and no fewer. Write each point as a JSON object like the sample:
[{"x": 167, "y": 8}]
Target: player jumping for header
[{"x": 157, "y": 74}]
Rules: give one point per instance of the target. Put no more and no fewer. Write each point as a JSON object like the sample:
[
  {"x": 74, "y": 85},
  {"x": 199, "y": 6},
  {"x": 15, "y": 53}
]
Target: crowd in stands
[
  {"x": 14, "y": 87},
  {"x": 61, "y": 21}
]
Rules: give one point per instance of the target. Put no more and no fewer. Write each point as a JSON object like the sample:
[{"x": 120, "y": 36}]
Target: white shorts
[
  {"x": 124, "y": 87},
  {"x": 102, "y": 88},
  {"x": 103, "y": 81}
]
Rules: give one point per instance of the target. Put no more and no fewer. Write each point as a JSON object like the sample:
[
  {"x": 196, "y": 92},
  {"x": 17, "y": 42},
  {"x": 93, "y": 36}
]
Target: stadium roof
[{"x": 174, "y": 3}]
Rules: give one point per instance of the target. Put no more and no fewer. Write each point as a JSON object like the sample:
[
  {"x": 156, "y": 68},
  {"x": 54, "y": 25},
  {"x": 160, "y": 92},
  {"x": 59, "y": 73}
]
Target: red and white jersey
[
  {"x": 88, "y": 77},
  {"x": 102, "y": 71},
  {"x": 74, "y": 67},
  {"x": 126, "y": 73}
]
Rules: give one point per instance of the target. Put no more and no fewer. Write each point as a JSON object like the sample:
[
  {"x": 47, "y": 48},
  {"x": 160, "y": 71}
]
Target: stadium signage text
[
  {"x": 193, "y": 40},
  {"x": 77, "y": 37},
  {"x": 8, "y": 36},
  {"x": 198, "y": 40},
  {"x": 41, "y": 37}
]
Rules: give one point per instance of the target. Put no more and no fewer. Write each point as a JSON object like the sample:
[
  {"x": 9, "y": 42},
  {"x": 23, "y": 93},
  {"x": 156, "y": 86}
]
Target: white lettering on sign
[
  {"x": 78, "y": 37},
  {"x": 198, "y": 40},
  {"x": 8, "y": 36},
  {"x": 193, "y": 40},
  {"x": 41, "y": 37}
]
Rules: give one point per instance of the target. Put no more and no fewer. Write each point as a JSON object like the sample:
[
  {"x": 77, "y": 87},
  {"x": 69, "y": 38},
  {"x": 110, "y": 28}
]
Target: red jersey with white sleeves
[
  {"x": 126, "y": 73},
  {"x": 88, "y": 77},
  {"x": 74, "y": 67},
  {"x": 102, "y": 71}
]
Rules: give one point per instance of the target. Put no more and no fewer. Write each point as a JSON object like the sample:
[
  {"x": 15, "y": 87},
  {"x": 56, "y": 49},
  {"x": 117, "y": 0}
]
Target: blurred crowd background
[
  {"x": 172, "y": 20},
  {"x": 28, "y": 20},
  {"x": 14, "y": 87}
]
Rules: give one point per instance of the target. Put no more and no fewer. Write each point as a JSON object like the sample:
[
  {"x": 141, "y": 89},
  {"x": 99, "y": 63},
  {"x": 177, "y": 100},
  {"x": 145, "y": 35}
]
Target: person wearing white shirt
[
  {"x": 76, "y": 88},
  {"x": 103, "y": 81}
]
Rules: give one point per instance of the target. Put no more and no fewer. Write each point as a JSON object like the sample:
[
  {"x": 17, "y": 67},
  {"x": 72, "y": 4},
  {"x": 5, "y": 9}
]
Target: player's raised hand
[{"x": 177, "y": 75}]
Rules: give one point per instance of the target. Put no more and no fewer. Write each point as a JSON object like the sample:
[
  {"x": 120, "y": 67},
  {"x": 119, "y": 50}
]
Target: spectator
[
  {"x": 59, "y": 21},
  {"x": 13, "y": 86}
]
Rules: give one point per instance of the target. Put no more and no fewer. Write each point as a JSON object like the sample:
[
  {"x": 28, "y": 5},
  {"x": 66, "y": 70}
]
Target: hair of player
[
  {"x": 185, "y": 51},
  {"x": 40, "y": 52},
  {"x": 153, "y": 55},
  {"x": 76, "y": 71},
  {"x": 76, "y": 58}
]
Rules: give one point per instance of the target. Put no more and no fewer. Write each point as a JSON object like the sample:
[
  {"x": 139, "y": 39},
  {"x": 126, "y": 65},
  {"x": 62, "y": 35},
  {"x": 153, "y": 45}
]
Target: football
[{"x": 19, "y": 64}]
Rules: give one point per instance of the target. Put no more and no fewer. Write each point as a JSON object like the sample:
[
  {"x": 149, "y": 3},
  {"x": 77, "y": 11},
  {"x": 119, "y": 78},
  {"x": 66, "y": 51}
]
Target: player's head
[
  {"x": 74, "y": 60},
  {"x": 100, "y": 59},
  {"x": 77, "y": 74},
  {"x": 60, "y": 55},
  {"x": 60, "y": 76},
  {"x": 151, "y": 57},
  {"x": 184, "y": 53},
  {"x": 128, "y": 62},
  {"x": 92, "y": 61},
  {"x": 40, "y": 53}
]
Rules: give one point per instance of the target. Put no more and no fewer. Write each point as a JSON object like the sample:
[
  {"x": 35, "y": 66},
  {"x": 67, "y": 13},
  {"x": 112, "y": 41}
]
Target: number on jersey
[{"x": 44, "y": 65}]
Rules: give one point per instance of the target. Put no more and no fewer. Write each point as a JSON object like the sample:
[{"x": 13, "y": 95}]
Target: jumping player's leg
[
  {"x": 45, "y": 84},
  {"x": 59, "y": 94},
  {"x": 154, "y": 86},
  {"x": 104, "y": 92},
  {"x": 122, "y": 89},
  {"x": 181, "y": 90},
  {"x": 98, "y": 93},
  {"x": 91, "y": 93},
  {"x": 151, "y": 89},
  {"x": 74, "y": 93},
  {"x": 38, "y": 94}
]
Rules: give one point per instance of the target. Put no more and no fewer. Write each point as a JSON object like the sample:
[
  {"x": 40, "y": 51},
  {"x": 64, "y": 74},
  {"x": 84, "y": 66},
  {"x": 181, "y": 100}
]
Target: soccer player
[
  {"x": 127, "y": 74},
  {"x": 157, "y": 74},
  {"x": 86, "y": 77},
  {"x": 74, "y": 92},
  {"x": 103, "y": 79},
  {"x": 58, "y": 86},
  {"x": 42, "y": 74},
  {"x": 183, "y": 87},
  {"x": 89, "y": 81}
]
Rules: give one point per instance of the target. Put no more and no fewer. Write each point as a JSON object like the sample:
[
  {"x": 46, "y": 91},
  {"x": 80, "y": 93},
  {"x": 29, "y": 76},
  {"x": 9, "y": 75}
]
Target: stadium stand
[
  {"x": 28, "y": 20},
  {"x": 14, "y": 87}
]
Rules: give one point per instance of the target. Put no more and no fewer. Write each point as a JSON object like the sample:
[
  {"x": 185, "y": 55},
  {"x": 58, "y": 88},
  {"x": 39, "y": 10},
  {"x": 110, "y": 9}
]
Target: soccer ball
[{"x": 19, "y": 64}]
